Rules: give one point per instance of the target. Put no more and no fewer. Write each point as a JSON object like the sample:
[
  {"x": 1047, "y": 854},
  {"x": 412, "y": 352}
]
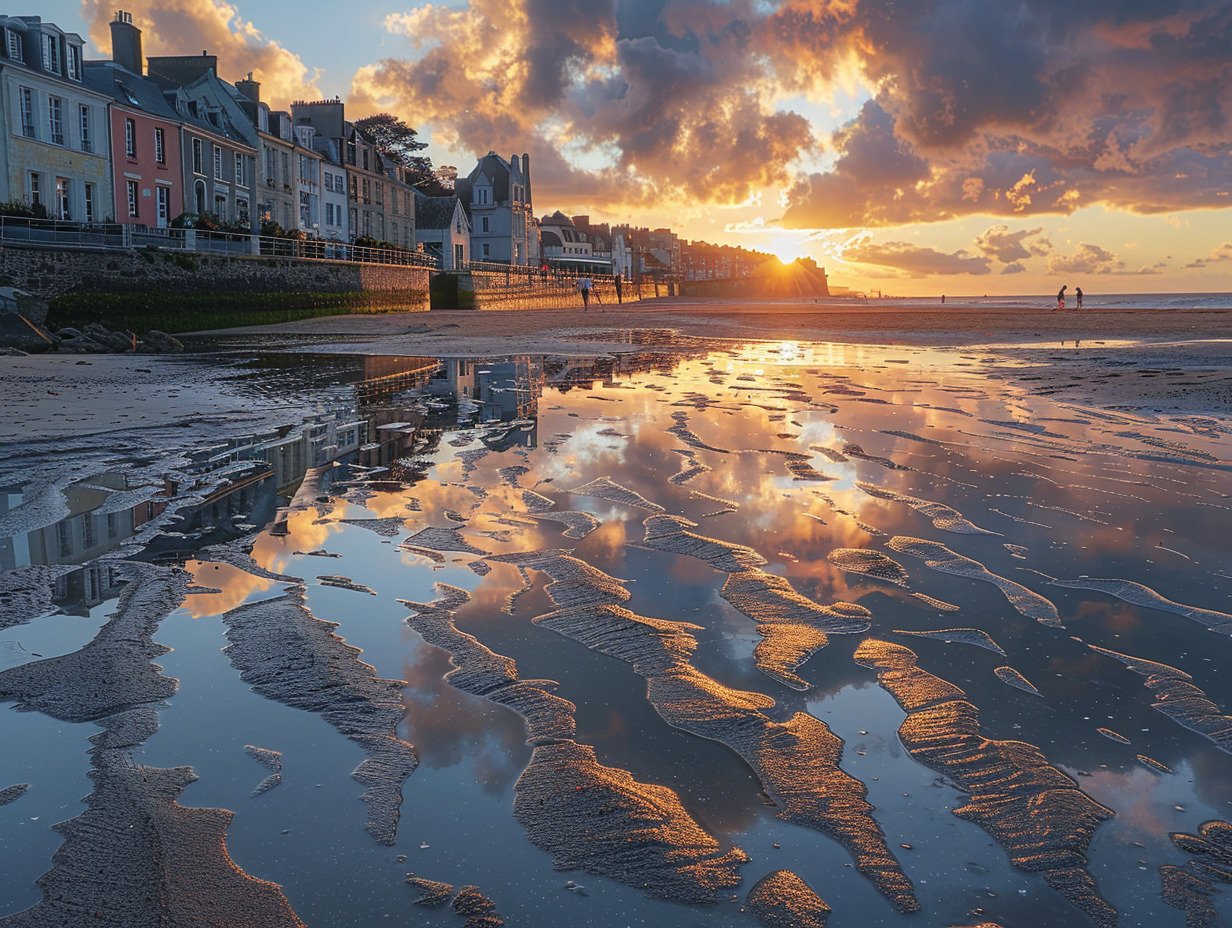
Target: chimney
[
  {"x": 249, "y": 88},
  {"x": 526, "y": 175},
  {"x": 126, "y": 43}
]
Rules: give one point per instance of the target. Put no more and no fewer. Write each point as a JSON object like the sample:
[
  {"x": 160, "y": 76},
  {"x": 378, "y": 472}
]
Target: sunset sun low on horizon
[{"x": 914, "y": 148}]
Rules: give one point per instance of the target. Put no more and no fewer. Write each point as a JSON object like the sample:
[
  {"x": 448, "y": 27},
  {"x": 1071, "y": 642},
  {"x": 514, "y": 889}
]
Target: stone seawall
[
  {"x": 48, "y": 273},
  {"x": 494, "y": 290}
]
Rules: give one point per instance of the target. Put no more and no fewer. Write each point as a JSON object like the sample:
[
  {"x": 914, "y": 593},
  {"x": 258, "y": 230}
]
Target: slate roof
[
  {"x": 433, "y": 212},
  {"x": 129, "y": 89}
]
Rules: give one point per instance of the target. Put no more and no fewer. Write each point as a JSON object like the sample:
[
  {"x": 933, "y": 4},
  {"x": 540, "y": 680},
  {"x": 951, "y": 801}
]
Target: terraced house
[
  {"x": 147, "y": 164},
  {"x": 54, "y": 139}
]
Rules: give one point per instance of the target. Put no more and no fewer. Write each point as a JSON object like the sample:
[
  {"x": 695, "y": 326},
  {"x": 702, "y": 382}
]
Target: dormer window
[
  {"x": 74, "y": 62},
  {"x": 15, "y": 47},
  {"x": 51, "y": 54}
]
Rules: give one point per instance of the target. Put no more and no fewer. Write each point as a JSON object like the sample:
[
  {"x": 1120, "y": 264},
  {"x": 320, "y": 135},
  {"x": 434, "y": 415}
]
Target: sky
[{"x": 911, "y": 147}]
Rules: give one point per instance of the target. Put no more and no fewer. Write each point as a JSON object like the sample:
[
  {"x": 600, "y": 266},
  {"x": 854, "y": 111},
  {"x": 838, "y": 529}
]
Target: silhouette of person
[
  {"x": 1078, "y": 296},
  {"x": 943, "y": 298},
  {"x": 1061, "y": 297},
  {"x": 583, "y": 285},
  {"x": 619, "y": 292}
]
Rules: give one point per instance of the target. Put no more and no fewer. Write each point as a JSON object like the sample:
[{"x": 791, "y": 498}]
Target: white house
[
  {"x": 442, "y": 229},
  {"x": 54, "y": 141},
  {"x": 497, "y": 197}
]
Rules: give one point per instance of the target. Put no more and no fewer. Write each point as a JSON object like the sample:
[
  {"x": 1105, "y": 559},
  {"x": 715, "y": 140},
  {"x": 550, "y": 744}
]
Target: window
[
  {"x": 16, "y": 49},
  {"x": 87, "y": 137},
  {"x": 28, "y": 127},
  {"x": 198, "y": 157},
  {"x": 286, "y": 168},
  {"x": 487, "y": 250},
  {"x": 271, "y": 174},
  {"x": 239, "y": 171},
  {"x": 88, "y": 204},
  {"x": 55, "y": 119},
  {"x": 484, "y": 220},
  {"x": 62, "y": 203},
  {"x": 51, "y": 54},
  {"x": 134, "y": 204},
  {"x": 459, "y": 255},
  {"x": 220, "y": 206},
  {"x": 164, "y": 206},
  {"x": 160, "y": 146},
  {"x": 74, "y": 62},
  {"x": 35, "y": 189},
  {"x": 367, "y": 190},
  {"x": 130, "y": 138},
  {"x": 217, "y": 163},
  {"x": 380, "y": 194},
  {"x": 241, "y": 210},
  {"x": 354, "y": 194},
  {"x": 366, "y": 168}
]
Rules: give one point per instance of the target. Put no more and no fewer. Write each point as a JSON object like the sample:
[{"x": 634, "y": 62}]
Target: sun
[{"x": 787, "y": 247}]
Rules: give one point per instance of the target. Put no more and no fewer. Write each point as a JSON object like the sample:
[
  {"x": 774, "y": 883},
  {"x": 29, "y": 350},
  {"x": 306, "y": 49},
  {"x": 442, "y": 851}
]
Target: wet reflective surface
[{"x": 663, "y": 627}]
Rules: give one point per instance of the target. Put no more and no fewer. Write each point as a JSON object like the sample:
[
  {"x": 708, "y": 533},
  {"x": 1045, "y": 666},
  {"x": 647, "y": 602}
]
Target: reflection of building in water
[{"x": 505, "y": 390}]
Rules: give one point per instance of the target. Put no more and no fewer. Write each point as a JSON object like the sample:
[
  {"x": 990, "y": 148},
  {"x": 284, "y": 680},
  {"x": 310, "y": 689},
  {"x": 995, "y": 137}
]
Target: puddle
[{"x": 689, "y": 550}]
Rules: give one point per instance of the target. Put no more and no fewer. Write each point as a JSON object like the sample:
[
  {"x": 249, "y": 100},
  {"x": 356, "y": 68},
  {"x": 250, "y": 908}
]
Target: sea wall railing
[{"x": 114, "y": 236}]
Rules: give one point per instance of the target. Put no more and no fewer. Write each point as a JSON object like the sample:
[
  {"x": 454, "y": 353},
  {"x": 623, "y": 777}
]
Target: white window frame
[
  {"x": 88, "y": 203},
  {"x": 239, "y": 170},
  {"x": 29, "y": 121},
  {"x": 160, "y": 146},
  {"x": 51, "y": 54},
  {"x": 218, "y": 162},
  {"x": 134, "y": 199},
  {"x": 34, "y": 187},
  {"x": 74, "y": 62},
  {"x": 63, "y": 201},
  {"x": 162, "y": 196},
  {"x": 55, "y": 120},
  {"x": 87, "y": 136},
  {"x": 17, "y": 49},
  {"x": 198, "y": 153},
  {"x": 130, "y": 137}
]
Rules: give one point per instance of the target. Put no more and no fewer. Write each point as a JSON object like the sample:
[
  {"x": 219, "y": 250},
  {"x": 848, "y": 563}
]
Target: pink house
[{"x": 147, "y": 167}]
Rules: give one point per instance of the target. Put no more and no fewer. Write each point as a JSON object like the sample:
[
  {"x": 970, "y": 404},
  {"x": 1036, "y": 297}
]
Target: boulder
[
  {"x": 13, "y": 300},
  {"x": 16, "y": 331},
  {"x": 114, "y": 341},
  {"x": 83, "y": 344},
  {"x": 156, "y": 342}
]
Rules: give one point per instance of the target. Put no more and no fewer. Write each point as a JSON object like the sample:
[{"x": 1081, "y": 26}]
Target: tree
[{"x": 396, "y": 140}]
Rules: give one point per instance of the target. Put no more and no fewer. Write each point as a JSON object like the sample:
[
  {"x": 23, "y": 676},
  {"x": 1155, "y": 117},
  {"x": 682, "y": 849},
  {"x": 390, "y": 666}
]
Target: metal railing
[{"x": 115, "y": 236}]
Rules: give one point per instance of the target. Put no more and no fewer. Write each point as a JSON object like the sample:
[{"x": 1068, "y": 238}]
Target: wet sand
[{"x": 1145, "y": 359}]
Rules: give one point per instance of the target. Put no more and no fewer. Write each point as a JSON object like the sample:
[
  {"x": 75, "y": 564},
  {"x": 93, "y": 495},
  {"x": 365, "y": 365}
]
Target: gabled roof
[{"x": 434, "y": 212}]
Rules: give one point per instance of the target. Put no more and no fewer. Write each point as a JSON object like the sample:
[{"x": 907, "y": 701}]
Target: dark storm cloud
[{"x": 1042, "y": 106}]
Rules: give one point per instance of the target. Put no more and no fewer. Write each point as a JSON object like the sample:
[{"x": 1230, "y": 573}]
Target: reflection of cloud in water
[
  {"x": 235, "y": 586},
  {"x": 448, "y": 726}
]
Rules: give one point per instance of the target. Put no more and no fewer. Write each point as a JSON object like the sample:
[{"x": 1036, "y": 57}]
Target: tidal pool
[{"x": 660, "y": 626}]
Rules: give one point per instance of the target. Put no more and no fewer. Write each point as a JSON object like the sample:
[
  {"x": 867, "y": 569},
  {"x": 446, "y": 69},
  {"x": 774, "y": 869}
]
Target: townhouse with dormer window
[
  {"x": 218, "y": 143},
  {"x": 497, "y": 198},
  {"x": 147, "y": 166},
  {"x": 53, "y": 136}
]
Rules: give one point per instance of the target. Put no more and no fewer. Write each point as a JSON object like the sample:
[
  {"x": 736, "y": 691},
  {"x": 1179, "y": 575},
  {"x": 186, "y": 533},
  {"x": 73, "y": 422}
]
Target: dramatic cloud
[
  {"x": 1000, "y": 244},
  {"x": 913, "y": 261},
  {"x": 1086, "y": 259},
  {"x": 186, "y": 27},
  {"x": 653, "y": 100}
]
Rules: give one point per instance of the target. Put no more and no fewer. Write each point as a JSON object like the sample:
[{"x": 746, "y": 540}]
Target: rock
[
  {"x": 82, "y": 344},
  {"x": 156, "y": 342},
  {"x": 13, "y": 300},
  {"x": 113, "y": 341},
  {"x": 69, "y": 332},
  {"x": 16, "y": 331}
]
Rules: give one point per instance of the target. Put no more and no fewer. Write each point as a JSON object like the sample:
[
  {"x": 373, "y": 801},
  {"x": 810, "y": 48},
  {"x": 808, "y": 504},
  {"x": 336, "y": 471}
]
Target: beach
[{"x": 678, "y": 567}]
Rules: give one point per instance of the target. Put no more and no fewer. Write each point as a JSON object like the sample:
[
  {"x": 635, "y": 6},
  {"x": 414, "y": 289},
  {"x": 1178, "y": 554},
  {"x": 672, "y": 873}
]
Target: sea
[{"x": 1091, "y": 300}]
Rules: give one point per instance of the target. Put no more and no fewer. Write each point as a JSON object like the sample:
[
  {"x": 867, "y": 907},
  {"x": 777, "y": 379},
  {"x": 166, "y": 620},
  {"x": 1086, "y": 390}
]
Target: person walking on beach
[
  {"x": 1078, "y": 296},
  {"x": 619, "y": 296},
  {"x": 1061, "y": 297},
  {"x": 584, "y": 286}
]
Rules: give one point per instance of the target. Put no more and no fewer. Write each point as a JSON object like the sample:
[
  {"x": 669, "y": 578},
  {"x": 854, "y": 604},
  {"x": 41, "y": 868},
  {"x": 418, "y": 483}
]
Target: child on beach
[
  {"x": 1078, "y": 296},
  {"x": 1061, "y": 297}
]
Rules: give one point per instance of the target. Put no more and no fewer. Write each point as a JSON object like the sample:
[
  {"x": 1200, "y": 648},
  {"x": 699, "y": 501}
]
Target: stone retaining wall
[
  {"x": 494, "y": 290},
  {"x": 48, "y": 273}
]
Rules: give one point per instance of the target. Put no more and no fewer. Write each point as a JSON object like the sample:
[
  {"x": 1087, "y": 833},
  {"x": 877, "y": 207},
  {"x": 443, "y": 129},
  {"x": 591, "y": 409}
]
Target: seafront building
[
  {"x": 497, "y": 198},
  {"x": 443, "y": 230},
  {"x": 53, "y": 140}
]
